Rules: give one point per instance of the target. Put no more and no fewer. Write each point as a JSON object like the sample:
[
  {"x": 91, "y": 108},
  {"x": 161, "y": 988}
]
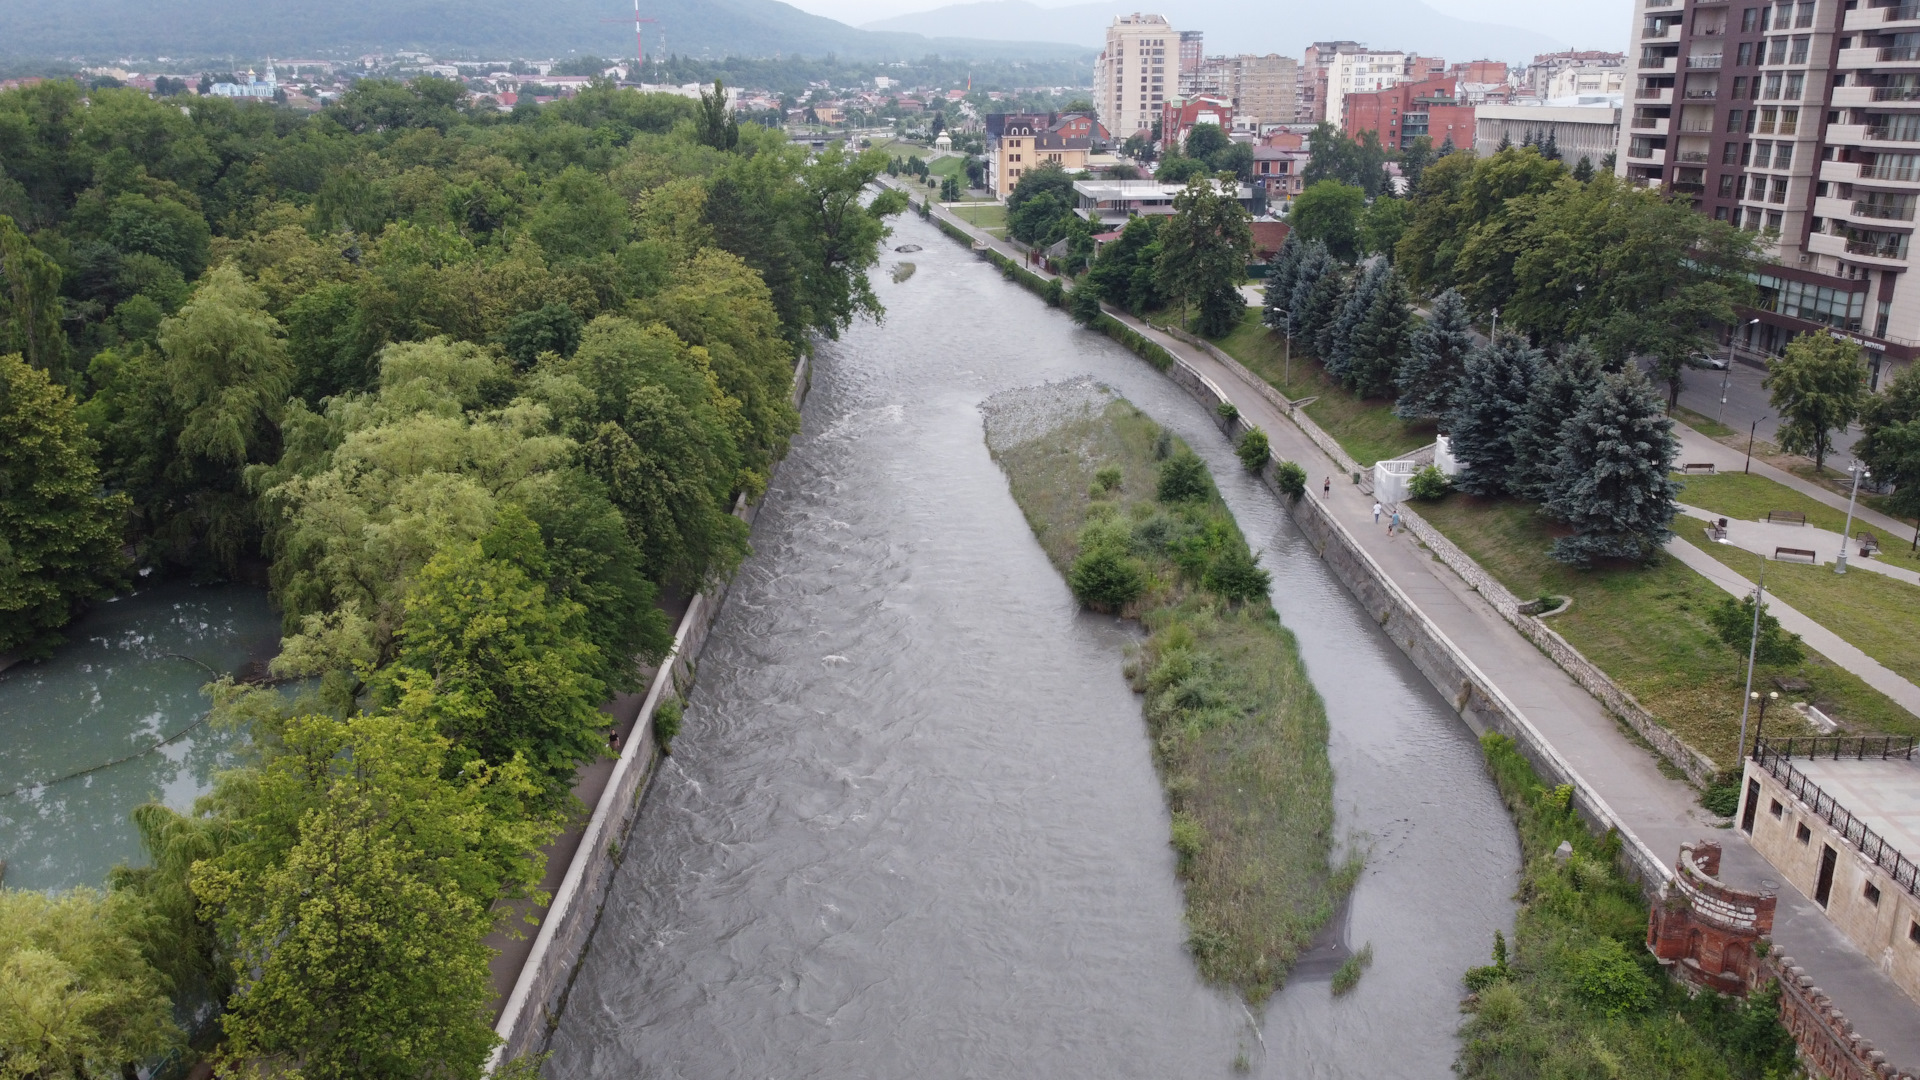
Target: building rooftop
[{"x": 1885, "y": 794}]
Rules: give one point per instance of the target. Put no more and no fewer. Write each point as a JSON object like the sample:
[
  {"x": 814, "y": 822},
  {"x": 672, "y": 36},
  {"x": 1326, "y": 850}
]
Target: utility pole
[
  {"x": 1751, "y": 430},
  {"x": 1753, "y": 649}
]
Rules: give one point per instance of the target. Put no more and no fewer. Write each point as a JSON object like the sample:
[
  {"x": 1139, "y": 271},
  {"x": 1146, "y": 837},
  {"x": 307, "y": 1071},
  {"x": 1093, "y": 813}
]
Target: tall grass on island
[
  {"x": 1130, "y": 516},
  {"x": 1581, "y": 996}
]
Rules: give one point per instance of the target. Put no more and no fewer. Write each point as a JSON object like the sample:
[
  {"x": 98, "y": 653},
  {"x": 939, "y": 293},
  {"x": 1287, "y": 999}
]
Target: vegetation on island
[
  {"x": 1239, "y": 735},
  {"x": 470, "y": 389},
  {"x": 1579, "y": 994}
]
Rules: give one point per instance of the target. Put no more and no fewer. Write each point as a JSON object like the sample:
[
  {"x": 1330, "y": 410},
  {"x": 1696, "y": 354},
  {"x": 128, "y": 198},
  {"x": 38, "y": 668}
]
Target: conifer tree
[
  {"x": 1550, "y": 148},
  {"x": 1583, "y": 171},
  {"x": 1335, "y": 340},
  {"x": 1614, "y": 460},
  {"x": 1323, "y": 304},
  {"x": 1435, "y": 359},
  {"x": 1315, "y": 262},
  {"x": 1487, "y": 408},
  {"x": 1563, "y": 384},
  {"x": 1381, "y": 338},
  {"x": 1279, "y": 286}
]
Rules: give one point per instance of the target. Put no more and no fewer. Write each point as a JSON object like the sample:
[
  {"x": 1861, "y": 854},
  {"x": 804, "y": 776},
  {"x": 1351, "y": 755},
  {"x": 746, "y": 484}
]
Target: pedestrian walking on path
[
  {"x": 1376, "y": 513},
  {"x": 1326, "y": 488},
  {"x": 1393, "y": 526}
]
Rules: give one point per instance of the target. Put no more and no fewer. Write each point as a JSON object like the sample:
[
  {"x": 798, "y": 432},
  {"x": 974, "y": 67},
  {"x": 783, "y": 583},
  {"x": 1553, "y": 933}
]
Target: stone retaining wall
[{"x": 539, "y": 994}]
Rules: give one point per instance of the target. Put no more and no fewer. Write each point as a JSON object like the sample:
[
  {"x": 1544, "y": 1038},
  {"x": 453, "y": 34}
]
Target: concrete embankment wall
[{"x": 539, "y": 995}]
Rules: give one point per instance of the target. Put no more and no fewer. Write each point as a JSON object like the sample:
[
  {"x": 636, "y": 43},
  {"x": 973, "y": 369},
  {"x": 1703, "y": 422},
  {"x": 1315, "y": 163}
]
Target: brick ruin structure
[
  {"x": 1715, "y": 937},
  {"x": 1706, "y": 932}
]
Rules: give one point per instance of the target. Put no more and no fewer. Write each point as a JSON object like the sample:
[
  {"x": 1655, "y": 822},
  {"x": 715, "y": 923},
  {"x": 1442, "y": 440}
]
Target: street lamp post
[
  {"x": 1760, "y": 725},
  {"x": 1495, "y": 330},
  {"x": 1288, "y": 378},
  {"x": 1753, "y": 649},
  {"x": 1727, "y": 373},
  {"x": 1751, "y": 430},
  {"x": 1859, "y": 471}
]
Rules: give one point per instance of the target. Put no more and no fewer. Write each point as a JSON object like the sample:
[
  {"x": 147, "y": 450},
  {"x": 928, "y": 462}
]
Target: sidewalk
[
  {"x": 1695, "y": 447},
  {"x": 1762, "y": 538},
  {"x": 1662, "y": 811}
]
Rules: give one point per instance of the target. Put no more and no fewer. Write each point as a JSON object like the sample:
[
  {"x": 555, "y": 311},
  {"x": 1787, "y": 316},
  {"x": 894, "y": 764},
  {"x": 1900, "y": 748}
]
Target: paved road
[{"x": 1747, "y": 401}]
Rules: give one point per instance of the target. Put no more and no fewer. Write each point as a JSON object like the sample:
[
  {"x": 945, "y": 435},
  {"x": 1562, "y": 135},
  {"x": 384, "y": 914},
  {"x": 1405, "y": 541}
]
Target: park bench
[
  {"x": 1707, "y": 467},
  {"x": 1796, "y": 553},
  {"x": 1716, "y": 532},
  {"x": 1791, "y": 517},
  {"x": 1869, "y": 543}
]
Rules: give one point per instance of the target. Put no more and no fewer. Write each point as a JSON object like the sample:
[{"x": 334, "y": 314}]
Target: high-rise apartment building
[
  {"x": 1264, "y": 88},
  {"x": 1310, "y": 96},
  {"x": 1799, "y": 119},
  {"x": 1192, "y": 50},
  {"x": 1136, "y": 73},
  {"x": 1359, "y": 72}
]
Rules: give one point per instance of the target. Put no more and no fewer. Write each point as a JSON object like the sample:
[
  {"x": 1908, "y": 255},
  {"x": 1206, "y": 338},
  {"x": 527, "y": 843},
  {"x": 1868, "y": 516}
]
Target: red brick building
[
  {"x": 1403, "y": 113},
  {"x": 1480, "y": 71},
  {"x": 1178, "y": 117}
]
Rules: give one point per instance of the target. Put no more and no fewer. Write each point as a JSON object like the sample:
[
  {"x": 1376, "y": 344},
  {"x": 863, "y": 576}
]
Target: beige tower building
[
  {"x": 1137, "y": 72},
  {"x": 1265, "y": 88}
]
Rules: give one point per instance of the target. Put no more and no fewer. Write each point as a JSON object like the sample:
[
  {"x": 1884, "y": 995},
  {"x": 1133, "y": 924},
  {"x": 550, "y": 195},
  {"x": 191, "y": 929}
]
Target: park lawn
[
  {"x": 1645, "y": 627},
  {"x": 991, "y": 218},
  {"x": 1705, "y": 425},
  {"x": 952, "y": 165},
  {"x": 1368, "y": 430},
  {"x": 1745, "y": 497},
  {"x": 901, "y": 148},
  {"x": 1872, "y": 612}
]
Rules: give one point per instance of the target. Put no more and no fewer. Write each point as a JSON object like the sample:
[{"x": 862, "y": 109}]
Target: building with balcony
[
  {"x": 1799, "y": 120},
  {"x": 1406, "y": 111},
  {"x": 1017, "y": 142},
  {"x": 1839, "y": 818},
  {"x": 1137, "y": 71}
]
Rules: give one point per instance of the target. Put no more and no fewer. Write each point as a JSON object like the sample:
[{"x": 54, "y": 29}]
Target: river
[
  {"x": 128, "y": 678},
  {"x": 911, "y": 827}
]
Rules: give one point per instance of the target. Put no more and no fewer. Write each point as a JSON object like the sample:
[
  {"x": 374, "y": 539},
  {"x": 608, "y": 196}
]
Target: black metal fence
[{"x": 1776, "y": 757}]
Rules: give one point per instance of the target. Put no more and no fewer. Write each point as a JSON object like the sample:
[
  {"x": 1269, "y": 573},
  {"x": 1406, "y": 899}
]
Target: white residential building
[
  {"x": 1359, "y": 72},
  {"x": 1137, "y": 72}
]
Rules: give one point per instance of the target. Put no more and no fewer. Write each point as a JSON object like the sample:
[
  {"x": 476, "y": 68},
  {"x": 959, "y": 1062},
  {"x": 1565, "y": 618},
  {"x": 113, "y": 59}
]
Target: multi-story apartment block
[
  {"x": 1405, "y": 112},
  {"x": 1264, "y": 89},
  {"x": 1361, "y": 72},
  {"x": 1547, "y": 66},
  {"x": 1310, "y": 97},
  {"x": 1137, "y": 72},
  {"x": 1192, "y": 51},
  {"x": 1017, "y": 142},
  {"x": 1800, "y": 119},
  {"x": 1585, "y": 82}
]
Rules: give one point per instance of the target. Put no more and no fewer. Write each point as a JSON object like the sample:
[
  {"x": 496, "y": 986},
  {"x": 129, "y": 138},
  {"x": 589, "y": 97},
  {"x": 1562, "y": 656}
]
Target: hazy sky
[{"x": 1572, "y": 20}]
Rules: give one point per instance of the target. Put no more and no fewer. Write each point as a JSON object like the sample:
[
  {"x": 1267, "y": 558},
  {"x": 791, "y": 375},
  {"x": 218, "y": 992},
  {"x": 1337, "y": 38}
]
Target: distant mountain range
[
  {"x": 482, "y": 28},
  {"x": 1234, "y": 26}
]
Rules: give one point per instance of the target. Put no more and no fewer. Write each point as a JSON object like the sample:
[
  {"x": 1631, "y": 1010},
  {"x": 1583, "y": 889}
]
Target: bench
[
  {"x": 1707, "y": 467},
  {"x": 1716, "y": 533},
  {"x": 1869, "y": 543},
  {"x": 1791, "y": 517},
  {"x": 1796, "y": 553}
]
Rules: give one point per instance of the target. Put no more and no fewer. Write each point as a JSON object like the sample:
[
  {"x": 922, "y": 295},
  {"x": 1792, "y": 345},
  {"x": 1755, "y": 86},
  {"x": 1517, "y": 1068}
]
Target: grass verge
[
  {"x": 1646, "y": 628},
  {"x": 992, "y": 218},
  {"x": 1581, "y": 995},
  {"x": 1872, "y": 612},
  {"x": 1366, "y": 429},
  {"x": 1239, "y": 734}
]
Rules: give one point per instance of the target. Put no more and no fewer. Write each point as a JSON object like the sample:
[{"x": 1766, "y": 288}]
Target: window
[
  {"x": 1744, "y": 57},
  {"x": 1783, "y": 156},
  {"x": 1773, "y": 88},
  {"x": 1734, "y": 119},
  {"x": 1726, "y": 191},
  {"x": 1764, "y": 148},
  {"x": 1768, "y": 117},
  {"x": 1774, "y": 220},
  {"x": 1778, "y": 51},
  {"x": 1720, "y": 212},
  {"x": 1730, "y": 154},
  {"x": 1872, "y": 893},
  {"x": 1749, "y": 20},
  {"x": 1913, "y": 932},
  {"x": 1779, "y": 195},
  {"x": 1789, "y": 121},
  {"x": 1739, "y": 94},
  {"x": 1775, "y": 808},
  {"x": 1739, "y": 187},
  {"x": 1796, "y": 87},
  {"x": 1806, "y": 15},
  {"x": 1766, "y": 17},
  {"x": 1799, "y": 53},
  {"x": 1753, "y": 116},
  {"x": 1803, "y": 834}
]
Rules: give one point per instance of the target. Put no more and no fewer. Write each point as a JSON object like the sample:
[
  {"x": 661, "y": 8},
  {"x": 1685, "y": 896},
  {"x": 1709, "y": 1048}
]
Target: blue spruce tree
[
  {"x": 1613, "y": 487},
  {"x": 1488, "y": 407},
  {"x": 1436, "y": 358},
  {"x": 1562, "y": 385}
]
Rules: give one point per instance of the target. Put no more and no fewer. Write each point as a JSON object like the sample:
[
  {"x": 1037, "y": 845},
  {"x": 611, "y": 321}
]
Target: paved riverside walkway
[
  {"x": 1762, "y": 537},
  {"x": 1663, "y": 812}
]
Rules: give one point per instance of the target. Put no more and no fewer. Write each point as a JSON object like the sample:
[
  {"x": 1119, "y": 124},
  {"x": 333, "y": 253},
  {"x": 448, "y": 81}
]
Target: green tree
[
  {"x": 1106, "y": 578},
  {"x": 1382, "y": 225},
  {"x": 1559, "y": 393},
  {"x": 1379, "y": 342},
  {"x": 1205, "y": 246},
  {"x": 1040, "y": 205},
  {"x": 1321, "y": 307},
  {"x": 1359, "y": 162},
  {"x": 1435, "y": 361},
  {"x": 718, "y": 128},
  {"x": 579, "y": 216},
  {"x": 550, "y": 328},
  {"x": 837, "y": 232},
  {"x": 354, "y": 893},
  {"x": 1414, "y": 159},
  {"x": 1182, "y": 478},
  {"x": 59, "y": 535},
  {"x": 1818, "y": 388},
  {"x": 1732, "y": 622},
  {"x": 1235, "y": 575},
  {"x": 1611, "y": 477},
  {"x": 1489, "y": 405},
  {"x": 1889, "y": 443},
  {"x": 1330, "y": 212},
  {"x": 1254, "y": 450},
  {"x": 30, "y": 306},
  {"x": 78, "y": 1001},
  {"x": 1123, "y": 275},
  {"x": 1203, "y": 141},
  {"x": 1178, "y": 168},
  {"x": 1334, "y": 342}
]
